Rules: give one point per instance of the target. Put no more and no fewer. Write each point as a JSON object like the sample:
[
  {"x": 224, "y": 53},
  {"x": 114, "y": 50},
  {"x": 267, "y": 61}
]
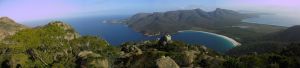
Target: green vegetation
[{"x": 52, "y": 46}]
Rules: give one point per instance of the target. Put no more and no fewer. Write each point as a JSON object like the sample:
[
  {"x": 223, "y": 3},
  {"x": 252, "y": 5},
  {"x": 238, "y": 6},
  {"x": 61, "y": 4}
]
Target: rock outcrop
[
  {"x": 89, "y": 59},
  {"x": 60, "y": 24},
  {"x": 130, "y": 50},
  {"x": 70, "y": 32},
  {"x": 166, "y": 62},
  {"x": 164, "y": 40},
  {"x": 189, "y": 57}
]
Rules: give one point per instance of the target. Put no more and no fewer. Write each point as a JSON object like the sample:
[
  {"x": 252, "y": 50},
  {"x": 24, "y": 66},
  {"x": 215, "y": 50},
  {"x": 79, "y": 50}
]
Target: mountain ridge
[{"x": 173, "y": 21}]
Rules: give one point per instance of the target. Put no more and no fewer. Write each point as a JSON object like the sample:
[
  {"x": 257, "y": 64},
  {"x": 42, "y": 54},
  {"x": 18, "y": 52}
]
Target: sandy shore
[{"x": 235, "y": 43}]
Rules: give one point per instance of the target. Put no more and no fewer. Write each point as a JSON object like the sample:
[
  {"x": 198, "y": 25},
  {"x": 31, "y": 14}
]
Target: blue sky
[
  {"x": 29, "y": 10},
  {"x": 26, "y": 10}
]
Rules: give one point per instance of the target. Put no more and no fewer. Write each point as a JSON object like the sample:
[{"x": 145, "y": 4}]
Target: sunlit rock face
[{"x": 164, "y": 40}]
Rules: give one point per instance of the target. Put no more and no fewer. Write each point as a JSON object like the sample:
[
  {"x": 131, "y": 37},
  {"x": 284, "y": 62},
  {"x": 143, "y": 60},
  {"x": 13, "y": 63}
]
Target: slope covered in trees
[
  {"x": 272, "y": 42},
  {"x": 53, "y": 45}
]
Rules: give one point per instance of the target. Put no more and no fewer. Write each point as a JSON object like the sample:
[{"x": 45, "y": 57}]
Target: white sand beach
[{"x": 235, "y": 43}]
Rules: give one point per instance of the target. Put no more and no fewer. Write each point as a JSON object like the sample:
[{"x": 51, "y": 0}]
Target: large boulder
[
  {"x": 189, "y": 57},
  {"x": 166, "y": 62},
  {"x": 130, "y": 50},
  {"x": 89, "y": 59},
  {"x": 164, "y": 40}
]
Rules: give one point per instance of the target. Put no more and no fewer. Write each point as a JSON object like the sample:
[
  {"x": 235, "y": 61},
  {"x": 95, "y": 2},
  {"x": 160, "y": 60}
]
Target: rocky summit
[
  {"x": 9, "y": 27},
  {"x": 70, "y": 32}
]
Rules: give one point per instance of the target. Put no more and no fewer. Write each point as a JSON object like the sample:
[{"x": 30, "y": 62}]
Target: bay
[{"x": 117, "y": 34}]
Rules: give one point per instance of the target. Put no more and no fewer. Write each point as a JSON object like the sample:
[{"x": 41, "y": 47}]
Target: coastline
[{"x": 235, "y": 43}]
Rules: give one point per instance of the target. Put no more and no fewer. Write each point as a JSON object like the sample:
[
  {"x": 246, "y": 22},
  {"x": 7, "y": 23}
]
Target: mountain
[
  {"x": 220, "y": 21},
  {"x": 9, "y": 27},
  {"x": 173, "y": 21}
]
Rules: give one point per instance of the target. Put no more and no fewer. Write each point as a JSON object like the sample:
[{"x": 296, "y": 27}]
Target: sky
[{"x": 29, "y": 10}]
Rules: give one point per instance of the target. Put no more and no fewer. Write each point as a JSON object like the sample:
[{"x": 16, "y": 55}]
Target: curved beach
[{"x": 235, "y": 43}]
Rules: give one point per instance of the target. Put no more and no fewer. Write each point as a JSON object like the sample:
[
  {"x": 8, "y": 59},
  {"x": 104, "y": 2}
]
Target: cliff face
[{"x": 9, "y": 27}]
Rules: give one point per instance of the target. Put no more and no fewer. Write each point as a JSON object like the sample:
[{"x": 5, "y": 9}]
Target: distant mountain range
[
  {"x": 197, "y": 19},
  {"x": 220, "y": 21},
  {"x": 9, "y": 27}
]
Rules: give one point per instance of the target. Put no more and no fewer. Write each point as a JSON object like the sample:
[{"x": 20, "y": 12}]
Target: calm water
[{"x": 117, "y": 34}]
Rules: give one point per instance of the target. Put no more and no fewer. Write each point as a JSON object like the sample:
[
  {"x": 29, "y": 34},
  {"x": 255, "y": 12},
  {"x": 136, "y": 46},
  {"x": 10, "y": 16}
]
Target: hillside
[
  {"x": 291, "y": 34},
  {"x": 9, "y": 27},
  {"x": 53, "y": 45},
  {"x": 273, "y": 42}
]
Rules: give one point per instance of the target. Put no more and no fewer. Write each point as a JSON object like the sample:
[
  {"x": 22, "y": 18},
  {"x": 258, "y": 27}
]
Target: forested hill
[
  {"x": 273, "y": 42},
  {"x": 291, "y": 34}
]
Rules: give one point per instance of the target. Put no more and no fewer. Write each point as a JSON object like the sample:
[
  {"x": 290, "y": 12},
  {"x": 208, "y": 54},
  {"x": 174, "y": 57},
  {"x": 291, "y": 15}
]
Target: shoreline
[{"x": 235, "y": 43}]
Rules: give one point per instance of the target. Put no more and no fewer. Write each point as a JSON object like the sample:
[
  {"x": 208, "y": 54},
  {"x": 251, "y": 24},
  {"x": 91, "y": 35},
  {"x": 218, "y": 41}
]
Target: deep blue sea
[{"x": 117, "y": 34}]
